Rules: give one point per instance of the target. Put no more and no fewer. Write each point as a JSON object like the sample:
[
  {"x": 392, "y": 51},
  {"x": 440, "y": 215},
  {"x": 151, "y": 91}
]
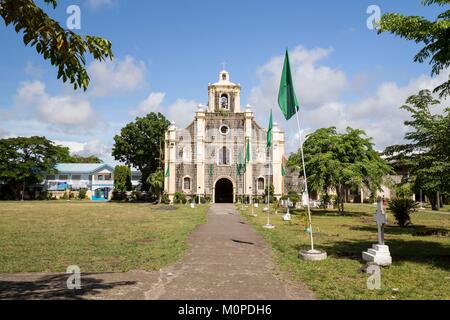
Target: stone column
[
  {"x": 278, "y": 152},
  {"x": 248, "y": 135},
  {"x": 170, "y": 161},
  {"x": 200, "y": 150}
]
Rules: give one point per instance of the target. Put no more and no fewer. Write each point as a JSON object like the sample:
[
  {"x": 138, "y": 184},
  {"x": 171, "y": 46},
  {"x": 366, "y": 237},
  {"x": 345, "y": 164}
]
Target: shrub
[
  {"x": 401, "y": 209},
  {"x": 294, "y": 197},
  {"x": 179, "y": 198},
  {"x": 403, "y": 190},
  {"x": 202, "y": 199},
  {"x": 82, "y": 194},
  {"x": 165, "y": 199}
]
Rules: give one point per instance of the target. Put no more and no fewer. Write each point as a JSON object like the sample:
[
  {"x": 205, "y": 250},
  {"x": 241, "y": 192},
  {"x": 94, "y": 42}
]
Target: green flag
[
  {"x": 211, "y": 170},
  {"x": 247, "y": 153},
  {"x": 168, "y": 171},
  {"x": 283, "y": 171},
  {"x": 269, "y": 131},
  {"x": 240, "y": 163},
  {"x": 287, "y": 99}
]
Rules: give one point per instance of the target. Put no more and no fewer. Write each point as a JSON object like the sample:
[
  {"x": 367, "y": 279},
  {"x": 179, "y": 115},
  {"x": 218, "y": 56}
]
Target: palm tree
[{"x": 156, "y": 184}]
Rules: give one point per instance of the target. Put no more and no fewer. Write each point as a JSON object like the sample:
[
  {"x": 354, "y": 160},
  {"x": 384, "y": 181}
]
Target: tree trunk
[
  {"x": 434, "y": 202},
  {"x": 341, "y": 199}
]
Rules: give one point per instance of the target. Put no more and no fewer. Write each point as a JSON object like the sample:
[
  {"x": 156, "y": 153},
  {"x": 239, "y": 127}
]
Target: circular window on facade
[{"x": 224, "y": 130}]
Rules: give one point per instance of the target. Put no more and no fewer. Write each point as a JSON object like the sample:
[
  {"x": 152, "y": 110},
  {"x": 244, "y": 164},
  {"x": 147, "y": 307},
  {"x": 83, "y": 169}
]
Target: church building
[{"x": 223, "y": 154}]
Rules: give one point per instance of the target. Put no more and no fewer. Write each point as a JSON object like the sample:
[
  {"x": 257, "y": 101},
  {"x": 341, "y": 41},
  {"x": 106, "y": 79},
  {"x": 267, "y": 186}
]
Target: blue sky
[{"x": 166, "y": 53}]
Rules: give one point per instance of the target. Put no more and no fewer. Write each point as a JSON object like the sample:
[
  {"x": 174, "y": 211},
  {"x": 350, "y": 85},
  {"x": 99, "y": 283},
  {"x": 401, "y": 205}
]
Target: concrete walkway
[{"x": 227, "y": 260}]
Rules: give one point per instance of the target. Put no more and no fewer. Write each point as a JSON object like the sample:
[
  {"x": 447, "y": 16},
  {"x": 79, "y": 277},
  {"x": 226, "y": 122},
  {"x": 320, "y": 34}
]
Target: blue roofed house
[{"x": 97, "y": 179}]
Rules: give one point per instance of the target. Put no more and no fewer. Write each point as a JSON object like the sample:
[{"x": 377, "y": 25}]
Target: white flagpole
[
  {"x": 268, "y": 189},
  {"x": 306, "y": 183}
]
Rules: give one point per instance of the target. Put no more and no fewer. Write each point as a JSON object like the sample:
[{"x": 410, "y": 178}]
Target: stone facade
[{"x": 203, "y": 157}]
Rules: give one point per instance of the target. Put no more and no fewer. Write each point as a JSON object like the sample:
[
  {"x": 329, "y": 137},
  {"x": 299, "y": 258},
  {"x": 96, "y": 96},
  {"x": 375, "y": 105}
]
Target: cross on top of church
[{"x": 224, "y": 65}]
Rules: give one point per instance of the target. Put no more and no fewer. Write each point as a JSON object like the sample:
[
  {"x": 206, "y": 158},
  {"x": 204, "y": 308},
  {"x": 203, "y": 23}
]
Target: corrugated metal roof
[
  {"x": 80, "y": 167},
  {"x": 85, "y": 167}
]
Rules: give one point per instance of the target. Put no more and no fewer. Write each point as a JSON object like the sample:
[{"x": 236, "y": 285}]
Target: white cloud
[
  {"x": 315, "y": 84},
  {"x": 153, "y": 103},
  {"x": 30, "y": 93},
  {"x": 33, "y": 70},
  {"x": 67, "y": 112},
  {"x": 93, "y": 147},
  {"x": 320, "y": 90},
  {"x": 116, "y": 76},
  {"x": 181, "y": 111}
]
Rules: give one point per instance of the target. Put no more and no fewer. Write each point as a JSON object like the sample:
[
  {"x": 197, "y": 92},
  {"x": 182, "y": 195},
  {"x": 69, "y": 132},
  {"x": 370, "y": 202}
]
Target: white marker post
[
  {"x": 269, "y": 225},
  {"x": 379, "y": 253}
]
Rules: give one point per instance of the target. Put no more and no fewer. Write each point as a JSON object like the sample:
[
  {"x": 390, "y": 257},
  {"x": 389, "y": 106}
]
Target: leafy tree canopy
[
  {"x": 64, "y": 48},
  {"x": 427, "y": 154},
  {"x": 337, "y": 162},
  {"x": 25, "y": 161},
  {"x": 140, "y": 144},
  {"x": 122, "y": 179},
  {"x": 81, "y": 159},
  {"x": 434, "y": 34}
]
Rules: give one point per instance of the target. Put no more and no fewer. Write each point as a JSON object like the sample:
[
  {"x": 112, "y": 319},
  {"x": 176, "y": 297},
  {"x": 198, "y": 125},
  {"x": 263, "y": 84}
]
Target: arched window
[
  {"x": 224, "y": 103},
  {"x": 260, "y": 183},
  {"x": 187, "y": 183},
  {"x": 181, "y": 154},
  {"x": 224, "y": 76},
  {"x": 225, "y": 156}
]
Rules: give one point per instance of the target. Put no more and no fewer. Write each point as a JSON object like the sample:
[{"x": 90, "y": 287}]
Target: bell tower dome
[{"x": 224, "y": 95}]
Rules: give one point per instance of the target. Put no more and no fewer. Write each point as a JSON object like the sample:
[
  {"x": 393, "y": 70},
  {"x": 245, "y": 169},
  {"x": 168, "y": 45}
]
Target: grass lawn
[
  {"x": 105, "y": 237},
  {"x": 421, "y": 253}
]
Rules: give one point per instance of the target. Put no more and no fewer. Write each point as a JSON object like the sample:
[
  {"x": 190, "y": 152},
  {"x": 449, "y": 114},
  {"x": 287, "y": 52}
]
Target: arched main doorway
[{"x": 224, "y": 191}]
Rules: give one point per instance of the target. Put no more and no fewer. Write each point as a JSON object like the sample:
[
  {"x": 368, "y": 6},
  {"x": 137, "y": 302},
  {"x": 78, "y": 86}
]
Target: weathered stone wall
[{"x": 214, "y": 141}]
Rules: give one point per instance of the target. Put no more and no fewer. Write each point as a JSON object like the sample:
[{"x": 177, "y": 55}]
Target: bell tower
[{"x": 224, "y": 95}]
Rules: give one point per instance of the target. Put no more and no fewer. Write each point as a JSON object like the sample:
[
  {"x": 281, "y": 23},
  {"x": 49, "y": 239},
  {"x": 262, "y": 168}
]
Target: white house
[{"x": 97, "y": 179}]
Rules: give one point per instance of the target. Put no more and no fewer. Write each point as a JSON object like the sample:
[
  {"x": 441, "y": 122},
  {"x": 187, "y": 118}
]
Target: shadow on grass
[
  {"x": 54, "y": 287},
  {"x": 425, "y": 252},
  {"x": 331, "y": 213},
  {"x": 414, "y": 230}
]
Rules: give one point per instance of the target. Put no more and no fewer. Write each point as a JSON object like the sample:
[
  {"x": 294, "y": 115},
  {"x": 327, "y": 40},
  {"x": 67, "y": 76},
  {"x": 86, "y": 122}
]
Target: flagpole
[
  {"x": 245, "y": 173},
  {"x": 306, "y": 183},
  {"x": 268, "y": 191}
]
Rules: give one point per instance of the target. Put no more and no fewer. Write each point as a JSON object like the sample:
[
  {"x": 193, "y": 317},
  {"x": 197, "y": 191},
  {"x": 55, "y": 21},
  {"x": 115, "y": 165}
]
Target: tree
[
  {"x": 122, "y": 179},
  {"x": 427, "y": 155},
  {"x": 25, "y": 161},
  {"x": 140, "y": 143},
  {"x": 434, "y": 34},
  {"x": 81, "y": 159},
  {"x": 340, "y": 161},
  {"x": 155, "y": 182},
  {"x": 65, "y": 49}
]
